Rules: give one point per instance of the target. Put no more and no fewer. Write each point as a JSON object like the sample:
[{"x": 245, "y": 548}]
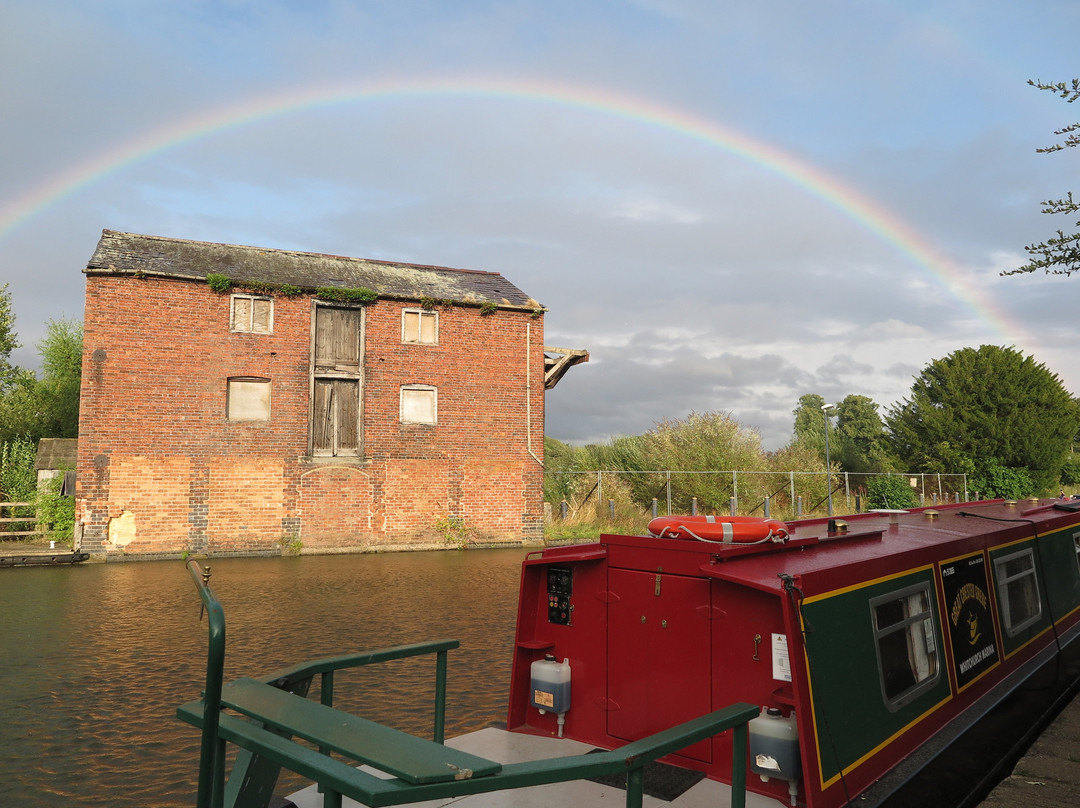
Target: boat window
[
  {"x": 906, "y": 647},
  {"x": 1019, "y": 588},
  {"x": 1076, "y": 544}
]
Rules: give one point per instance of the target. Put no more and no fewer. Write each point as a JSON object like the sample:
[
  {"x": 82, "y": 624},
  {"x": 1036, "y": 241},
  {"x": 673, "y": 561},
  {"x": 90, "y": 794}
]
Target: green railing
[{"x": 276, "y": 709}]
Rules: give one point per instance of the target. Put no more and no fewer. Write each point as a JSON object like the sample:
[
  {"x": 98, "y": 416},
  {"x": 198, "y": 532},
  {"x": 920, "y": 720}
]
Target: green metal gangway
[{"x": 262, "y": 718}]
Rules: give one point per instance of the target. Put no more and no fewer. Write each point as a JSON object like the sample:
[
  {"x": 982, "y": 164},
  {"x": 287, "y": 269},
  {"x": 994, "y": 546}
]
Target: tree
[
  {"x": 33, "y": 408},
  {"x": 8, "y": 341},
  {"x": 61, "y": 380},
  {"x": 982, "y": 409},
  {"x": 810, "y": 423},
  {"x": 1058, "y": 255},
  {"x": 856, "y": 442},
  {"x": 860, "y": 436}
]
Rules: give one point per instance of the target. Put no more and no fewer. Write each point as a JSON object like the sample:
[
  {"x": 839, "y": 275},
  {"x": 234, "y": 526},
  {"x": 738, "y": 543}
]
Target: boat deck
[
  {"x": 1048, "y": 776},
  {"x": 511, "y": 747}
]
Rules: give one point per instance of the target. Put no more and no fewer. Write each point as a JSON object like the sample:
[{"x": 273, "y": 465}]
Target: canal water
[{"x": 94, "y": 659}]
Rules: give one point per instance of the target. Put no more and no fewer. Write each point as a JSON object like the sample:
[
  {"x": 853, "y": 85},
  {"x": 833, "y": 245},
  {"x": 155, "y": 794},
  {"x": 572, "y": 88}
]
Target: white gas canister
[{"x": 550, "y": 682}]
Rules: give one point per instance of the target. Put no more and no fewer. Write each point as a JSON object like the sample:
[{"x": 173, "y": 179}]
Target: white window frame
[
  {"x": 1004, "y": 582},
  {"x": 415, "y": 388},
  {"x": 233, "y": 384},
  {"x": 250, "y": 325},
  {"x": 417, "y": 338},
  {"x": 920, "y": 632}
]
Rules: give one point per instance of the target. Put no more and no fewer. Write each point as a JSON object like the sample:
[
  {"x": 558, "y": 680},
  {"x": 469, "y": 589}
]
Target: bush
[
  {"x": 18, "y": 480},
  {"x": 993, "y": 481},
  {"x": 1070, "y": 472},
  {"x": 55, "y": 512},
  {"x": 889, "y": 491}
]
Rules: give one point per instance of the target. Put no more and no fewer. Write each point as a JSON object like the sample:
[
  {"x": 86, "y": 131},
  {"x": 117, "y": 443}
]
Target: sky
[{"x": 728, "y": 204}]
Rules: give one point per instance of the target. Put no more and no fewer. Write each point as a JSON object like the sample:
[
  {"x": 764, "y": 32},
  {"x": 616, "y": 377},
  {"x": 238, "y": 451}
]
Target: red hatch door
[{"x": 658, "y": 654}]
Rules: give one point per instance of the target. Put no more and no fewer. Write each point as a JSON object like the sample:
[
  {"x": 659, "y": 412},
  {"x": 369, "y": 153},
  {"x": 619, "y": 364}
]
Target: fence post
[
  {"x": 858, "y": 504},
  {"x": 798, "y": 507},
  {"x": 732, "y": 505},
  {"x": 611, "y": 508},
  {"x": 693, "y": 506},
  {"x": 669, "y": 493},
  {"x": 847, "y": 490},
  {"x": 655, "y": 507},
  {"x": 562, "y": 510},
  {"x": 599, "y": 490},
  {"x": 734, "y": 492},
  {"x": 767, "y": 503},
  {"x": 791, "y": 477}
]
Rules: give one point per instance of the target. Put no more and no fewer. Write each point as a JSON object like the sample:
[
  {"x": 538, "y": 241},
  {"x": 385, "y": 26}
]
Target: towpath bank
[{"x": 241, "y": 400}]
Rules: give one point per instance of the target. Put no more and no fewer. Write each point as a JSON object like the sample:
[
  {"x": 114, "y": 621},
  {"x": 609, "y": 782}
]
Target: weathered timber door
[{"x": 337, "y": 382}]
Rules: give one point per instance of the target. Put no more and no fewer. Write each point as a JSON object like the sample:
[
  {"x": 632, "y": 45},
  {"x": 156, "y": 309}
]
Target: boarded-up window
[
  {"x": 248, "y": 400},
  {"x": 252, "y": 314},
  {"x": 419, "y": 404},
  {"x": 418, "y": 325},
  {"x": 337, "y": 382}
]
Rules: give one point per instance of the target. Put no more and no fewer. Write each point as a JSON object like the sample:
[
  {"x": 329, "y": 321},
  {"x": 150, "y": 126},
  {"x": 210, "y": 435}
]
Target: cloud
[{"x": 698, "y": 276}]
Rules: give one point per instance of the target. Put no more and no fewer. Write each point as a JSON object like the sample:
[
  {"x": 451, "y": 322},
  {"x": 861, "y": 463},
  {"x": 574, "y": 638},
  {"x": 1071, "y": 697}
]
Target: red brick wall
[{"x": 162, "y": 470}]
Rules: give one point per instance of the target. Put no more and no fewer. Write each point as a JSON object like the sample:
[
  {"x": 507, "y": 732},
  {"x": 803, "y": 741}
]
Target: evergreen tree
[{"x": 986, "y": 409}]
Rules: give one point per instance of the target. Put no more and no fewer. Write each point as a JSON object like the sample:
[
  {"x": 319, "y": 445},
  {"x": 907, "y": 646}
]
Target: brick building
[{"x": 241, "y": 400}]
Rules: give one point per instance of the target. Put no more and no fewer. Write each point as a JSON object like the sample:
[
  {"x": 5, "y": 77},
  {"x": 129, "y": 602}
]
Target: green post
[
  {"x": 635, "y": 787},
  {"x": 440, "y": 695},
  {"x": 738, "y": 766},
  {"x": 211, "y": 792}
]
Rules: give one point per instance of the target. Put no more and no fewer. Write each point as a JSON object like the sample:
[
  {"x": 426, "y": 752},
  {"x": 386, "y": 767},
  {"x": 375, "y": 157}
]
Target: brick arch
[{"x": 335, "y": 507}]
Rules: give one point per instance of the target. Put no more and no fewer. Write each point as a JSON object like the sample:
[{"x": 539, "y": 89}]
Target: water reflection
[{"x": 95, "y": 659}]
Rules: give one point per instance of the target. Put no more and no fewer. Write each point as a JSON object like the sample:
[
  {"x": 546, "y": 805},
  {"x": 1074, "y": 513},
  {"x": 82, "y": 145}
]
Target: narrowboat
[
  {"x": 864, "y": 640},
  {"x": 818, "y": 663}
]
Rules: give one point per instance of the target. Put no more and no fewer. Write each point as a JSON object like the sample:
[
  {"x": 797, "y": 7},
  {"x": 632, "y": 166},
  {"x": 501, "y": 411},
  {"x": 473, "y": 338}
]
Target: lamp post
[{"x": 828, "y": 467}]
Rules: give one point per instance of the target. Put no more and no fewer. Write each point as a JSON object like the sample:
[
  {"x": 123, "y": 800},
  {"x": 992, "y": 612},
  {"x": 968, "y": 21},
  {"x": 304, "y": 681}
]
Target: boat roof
[{"x": 826, "y": 554}]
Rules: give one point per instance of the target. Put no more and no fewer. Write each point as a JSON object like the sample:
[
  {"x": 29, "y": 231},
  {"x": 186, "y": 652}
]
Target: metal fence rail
[{"x": 748, "y": 492}]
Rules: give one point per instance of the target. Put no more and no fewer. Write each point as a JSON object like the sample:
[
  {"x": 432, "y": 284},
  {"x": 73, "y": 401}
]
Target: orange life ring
[{"x": 735, "y": 529}]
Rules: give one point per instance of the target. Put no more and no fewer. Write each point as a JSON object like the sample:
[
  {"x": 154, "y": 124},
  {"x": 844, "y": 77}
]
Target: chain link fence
[{"x": 780, "y": 494}]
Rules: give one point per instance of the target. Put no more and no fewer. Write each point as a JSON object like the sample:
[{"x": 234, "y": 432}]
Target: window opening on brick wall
[
  {"x": 337, "y": 382},
  {"x": 248, "y": 399},
  {"x": 419, "y": 404},
  {"x": 252, "y": 314},
  {"x": 420, "y": 326}
]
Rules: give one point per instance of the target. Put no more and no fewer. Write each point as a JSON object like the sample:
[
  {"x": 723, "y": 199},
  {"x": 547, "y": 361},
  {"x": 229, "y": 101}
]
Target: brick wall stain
[{"x": 157, "y": 450}]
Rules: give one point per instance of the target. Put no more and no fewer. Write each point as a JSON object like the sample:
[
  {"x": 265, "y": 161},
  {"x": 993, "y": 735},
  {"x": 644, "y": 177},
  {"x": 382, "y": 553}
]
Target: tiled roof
[{"x": 130, "y": 253}]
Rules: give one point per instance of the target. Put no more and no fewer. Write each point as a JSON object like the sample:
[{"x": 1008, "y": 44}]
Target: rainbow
[{"x": 844, "y": 198}]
